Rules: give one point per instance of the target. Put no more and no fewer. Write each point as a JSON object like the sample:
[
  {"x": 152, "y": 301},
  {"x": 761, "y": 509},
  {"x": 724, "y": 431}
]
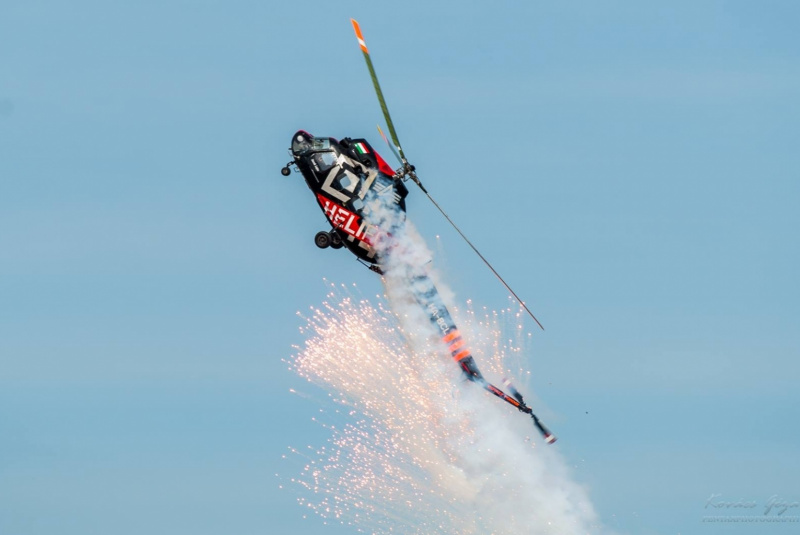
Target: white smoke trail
[{"x": 423, "y": 450}]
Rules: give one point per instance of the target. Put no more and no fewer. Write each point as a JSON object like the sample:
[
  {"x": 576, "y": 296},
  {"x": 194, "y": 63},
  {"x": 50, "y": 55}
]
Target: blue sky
[{"x": 630, "y": 168}]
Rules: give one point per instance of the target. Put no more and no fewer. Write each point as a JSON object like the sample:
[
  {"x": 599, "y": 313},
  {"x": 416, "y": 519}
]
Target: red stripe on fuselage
[
  {"x": 382, "y": 165},
  {"x": 342, "y": 218}
]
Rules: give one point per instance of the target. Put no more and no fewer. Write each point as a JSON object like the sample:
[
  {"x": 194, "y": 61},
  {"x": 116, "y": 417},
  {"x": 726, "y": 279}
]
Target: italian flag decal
[{"x": 361, "y": 148}]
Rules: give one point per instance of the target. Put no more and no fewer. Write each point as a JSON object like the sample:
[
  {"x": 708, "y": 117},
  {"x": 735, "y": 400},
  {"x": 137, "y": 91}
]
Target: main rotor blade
[
  {"x": 408, "y": 169},
  {"x": 378, "y": 91},
  {"x": 394, "y": 149},
  {"x": 496, "y": 274}
]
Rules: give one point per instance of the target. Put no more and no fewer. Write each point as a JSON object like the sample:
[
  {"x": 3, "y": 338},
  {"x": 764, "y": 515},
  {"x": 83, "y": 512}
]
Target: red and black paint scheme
[
  {"x": 346, "y": 177},
  {"x": 342, "y": 174}
]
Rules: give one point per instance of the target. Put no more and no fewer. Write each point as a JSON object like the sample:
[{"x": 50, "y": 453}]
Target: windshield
[
  {"x": 322, "y": 143},
  {"x": 300, "y": 144}
]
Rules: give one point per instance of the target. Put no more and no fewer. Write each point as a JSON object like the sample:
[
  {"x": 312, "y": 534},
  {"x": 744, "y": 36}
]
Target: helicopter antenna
[{"x": 409, "y": 171}]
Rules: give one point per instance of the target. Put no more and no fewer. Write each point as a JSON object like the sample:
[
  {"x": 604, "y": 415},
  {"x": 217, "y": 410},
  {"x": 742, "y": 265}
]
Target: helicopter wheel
[
  {"x": 336, "y": 240},
  {"x": 286, "y": 171},
  {"x": 322, "y": 239}
]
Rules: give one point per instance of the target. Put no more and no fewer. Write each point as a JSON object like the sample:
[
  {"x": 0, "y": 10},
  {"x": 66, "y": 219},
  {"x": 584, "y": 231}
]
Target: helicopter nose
[{"x": 301, "y": 142}]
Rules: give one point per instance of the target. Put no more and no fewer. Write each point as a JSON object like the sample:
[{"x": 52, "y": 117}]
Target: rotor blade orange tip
[{"x": 359, "y": 35}]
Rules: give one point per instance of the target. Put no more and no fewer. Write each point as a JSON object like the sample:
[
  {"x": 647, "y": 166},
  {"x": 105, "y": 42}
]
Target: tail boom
[{"x": 429, "y": 298}]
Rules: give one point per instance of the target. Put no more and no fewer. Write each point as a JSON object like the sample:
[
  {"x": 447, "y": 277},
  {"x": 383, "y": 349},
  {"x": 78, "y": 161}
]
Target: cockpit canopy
[{"x": 303, "y": 142}]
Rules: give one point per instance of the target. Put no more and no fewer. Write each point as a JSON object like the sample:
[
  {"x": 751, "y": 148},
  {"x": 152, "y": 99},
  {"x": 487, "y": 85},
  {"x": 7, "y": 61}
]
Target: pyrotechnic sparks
[{"x": 415, "y": 449}]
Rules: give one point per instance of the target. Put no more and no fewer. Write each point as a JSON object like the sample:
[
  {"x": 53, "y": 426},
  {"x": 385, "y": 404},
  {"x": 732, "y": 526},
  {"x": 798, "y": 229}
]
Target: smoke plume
[{"x": 421, "y": 450}]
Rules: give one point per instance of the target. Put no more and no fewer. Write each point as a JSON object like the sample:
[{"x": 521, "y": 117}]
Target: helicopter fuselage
[{"x": 344, "y": 175}]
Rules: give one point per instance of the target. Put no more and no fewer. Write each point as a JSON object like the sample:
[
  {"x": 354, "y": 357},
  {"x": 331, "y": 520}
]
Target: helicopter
[
  {"x": 355, "y": 188},
  {"x": 341, "y": 174}
]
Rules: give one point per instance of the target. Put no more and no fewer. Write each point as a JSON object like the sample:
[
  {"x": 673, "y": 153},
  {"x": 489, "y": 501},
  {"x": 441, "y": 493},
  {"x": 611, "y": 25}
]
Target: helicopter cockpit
[
  {"x": 303, "y": 142},
  {"x": 344, "y": 169},
  {"x": 319, "y": 151}
]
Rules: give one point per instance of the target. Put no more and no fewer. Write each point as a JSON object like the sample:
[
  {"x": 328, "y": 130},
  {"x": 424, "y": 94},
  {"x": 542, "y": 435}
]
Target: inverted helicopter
[
  {"x": 344, "y": 176},
  {"x": 341, "y": 174}
]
